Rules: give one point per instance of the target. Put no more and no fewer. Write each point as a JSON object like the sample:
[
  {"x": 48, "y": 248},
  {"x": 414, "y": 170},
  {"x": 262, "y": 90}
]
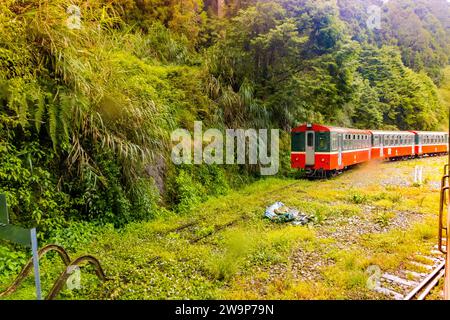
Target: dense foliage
[{"x": 86, "y": 113}]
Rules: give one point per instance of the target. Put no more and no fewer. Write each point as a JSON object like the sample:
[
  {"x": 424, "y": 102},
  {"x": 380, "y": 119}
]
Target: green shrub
[
  {"x": 11, "y": 262},
  {"x": 358, "y": 198},
  {"x": 32, "y": 192},
  {"x": 77, "y": 235}
]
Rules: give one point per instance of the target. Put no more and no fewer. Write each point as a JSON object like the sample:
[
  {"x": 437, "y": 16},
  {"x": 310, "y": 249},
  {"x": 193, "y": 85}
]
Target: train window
[
  {"x": 334, "y": 142},
  {"x": 322, "y": 146},
  {"x": 310, "y": 139}
]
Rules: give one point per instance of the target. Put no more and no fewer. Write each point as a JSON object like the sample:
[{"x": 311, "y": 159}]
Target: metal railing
[{"x": 443, "y": 240}]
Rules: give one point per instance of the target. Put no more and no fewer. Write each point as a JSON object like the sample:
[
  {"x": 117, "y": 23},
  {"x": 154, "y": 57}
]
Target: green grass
[{"x": 255, "y": 258}]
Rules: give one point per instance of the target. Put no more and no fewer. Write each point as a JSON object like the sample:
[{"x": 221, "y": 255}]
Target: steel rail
[
  {"x": 426, "y": 284},
  {"x": 27, "y": 268},
  {"x": 69, "y": 269}
]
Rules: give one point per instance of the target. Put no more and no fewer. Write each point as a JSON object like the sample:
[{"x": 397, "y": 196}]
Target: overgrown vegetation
[
  {"x": 256, "y": 258},
  {"x": 86, "y": 113}
]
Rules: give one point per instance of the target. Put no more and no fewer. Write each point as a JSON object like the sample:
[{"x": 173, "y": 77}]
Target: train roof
[
  {"x": 319, "y": 127},
  {"x": 391, "y": 132},
  {"x": 429, "y": 132}
]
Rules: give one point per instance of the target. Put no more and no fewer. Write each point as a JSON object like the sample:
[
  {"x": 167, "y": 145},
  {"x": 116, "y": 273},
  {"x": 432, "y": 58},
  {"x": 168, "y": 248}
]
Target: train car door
[
  {"x": 309, "y": 148},
  {"x": 419, "y": 140},
  {"x": 381, "y": 145},
  {"x": 340, "y": 144}
]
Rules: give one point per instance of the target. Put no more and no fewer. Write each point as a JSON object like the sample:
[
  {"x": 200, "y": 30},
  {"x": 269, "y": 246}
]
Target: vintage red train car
[
  {"x": 430, "y": 142},
  {"x": 321, "y": 148},
  {"x": 326, "y": 150},
  {"x": 392, "y": 144}
]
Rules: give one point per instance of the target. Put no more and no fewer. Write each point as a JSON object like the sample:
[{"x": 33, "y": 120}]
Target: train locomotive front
[{"x": 326, "y": 151}]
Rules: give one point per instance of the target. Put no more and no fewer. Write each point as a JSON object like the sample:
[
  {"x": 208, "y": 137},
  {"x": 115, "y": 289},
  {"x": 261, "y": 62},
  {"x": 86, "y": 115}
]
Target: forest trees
[
  {"x": 85, "y": 114},
  {"x": 302, "y": 65}
]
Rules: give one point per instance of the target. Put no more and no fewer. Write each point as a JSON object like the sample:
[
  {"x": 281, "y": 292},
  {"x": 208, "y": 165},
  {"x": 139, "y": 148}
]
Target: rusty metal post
[{"x": 447, "y": 260}]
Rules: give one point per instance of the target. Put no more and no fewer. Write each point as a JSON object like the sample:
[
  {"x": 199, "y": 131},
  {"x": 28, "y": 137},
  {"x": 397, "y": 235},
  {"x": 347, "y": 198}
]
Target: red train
[{"x": 324, "y": 150}]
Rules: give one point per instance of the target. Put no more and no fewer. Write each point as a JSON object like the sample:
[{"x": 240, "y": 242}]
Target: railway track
[
  {"x": 217, "y": 228},
  {"x": 413, "y": 285}
]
